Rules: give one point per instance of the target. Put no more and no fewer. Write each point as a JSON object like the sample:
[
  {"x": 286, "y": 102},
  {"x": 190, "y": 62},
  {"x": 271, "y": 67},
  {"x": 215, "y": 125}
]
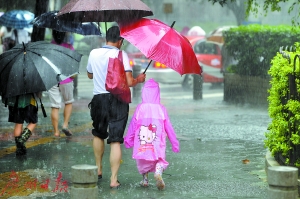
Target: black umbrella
[
  {"x": 50, "y": 20},
  {"x": 35, "y": 67}
]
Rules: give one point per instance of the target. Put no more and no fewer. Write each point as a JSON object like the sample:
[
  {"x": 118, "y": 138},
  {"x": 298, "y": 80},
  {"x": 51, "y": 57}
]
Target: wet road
[{"x": 216, "y": 140}]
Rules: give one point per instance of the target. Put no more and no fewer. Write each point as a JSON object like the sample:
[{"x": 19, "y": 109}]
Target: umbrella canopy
[
  {"x": 159, "y": 42},
  {"x": 50, "y": 20},
  {"x": 104, "y": 10},
  {"x": 17, "y": 19},
  {"x": 35, "y": 67},
  {"x": 196, "y": 31},
  {"x": 217, "y": 34}
]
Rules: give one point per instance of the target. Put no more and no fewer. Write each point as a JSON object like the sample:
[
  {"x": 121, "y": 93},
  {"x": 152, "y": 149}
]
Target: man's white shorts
[{"x": 64, "y": 91}]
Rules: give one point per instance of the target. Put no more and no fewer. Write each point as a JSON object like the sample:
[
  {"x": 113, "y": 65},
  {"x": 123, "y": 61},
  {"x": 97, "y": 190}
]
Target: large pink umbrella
[{"x": 160, "y": 42}]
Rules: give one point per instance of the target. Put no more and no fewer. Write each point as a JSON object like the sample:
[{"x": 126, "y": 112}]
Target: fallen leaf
[{"x": 246, "y": 161}]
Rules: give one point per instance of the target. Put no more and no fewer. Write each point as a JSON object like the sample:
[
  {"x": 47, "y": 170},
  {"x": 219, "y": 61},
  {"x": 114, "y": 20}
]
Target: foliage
[
  {"x": 284, "y": 111},
  {"x": 237, "y": 8},
  {"x": 253, "y": 46},
  {"x": 221, "y": 2},
  {"x": 273, "y": 5}
]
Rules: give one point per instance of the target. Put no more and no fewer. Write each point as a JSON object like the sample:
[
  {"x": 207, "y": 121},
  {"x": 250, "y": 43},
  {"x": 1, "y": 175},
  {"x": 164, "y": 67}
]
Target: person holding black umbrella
[
  {"x": 109, "y": 114},
  {"x": 63, "y": 90},
  {"x": 22, "y": 108}
]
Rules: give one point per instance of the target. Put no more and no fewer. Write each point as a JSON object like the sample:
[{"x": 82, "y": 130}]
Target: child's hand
[
  {"x": 175, "y": 149},
  {"x": 127, "y": 144}
]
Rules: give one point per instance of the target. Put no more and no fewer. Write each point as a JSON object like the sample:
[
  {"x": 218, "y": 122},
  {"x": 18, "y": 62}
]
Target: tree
[
  {"x": 41, "y": 6},
  {"x": 17, "y": 4},
  {"x": 273, "y": 5},
  {"x": 239, "y": 10}
]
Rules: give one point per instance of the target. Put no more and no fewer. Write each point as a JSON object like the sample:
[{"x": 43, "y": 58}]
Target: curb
[{"x": 271, "y": 162}]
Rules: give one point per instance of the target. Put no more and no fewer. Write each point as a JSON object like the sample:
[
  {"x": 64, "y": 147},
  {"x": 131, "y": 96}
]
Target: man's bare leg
[
  {"x": 98, "y": 145},
  {"x": 115, "y": 161}
]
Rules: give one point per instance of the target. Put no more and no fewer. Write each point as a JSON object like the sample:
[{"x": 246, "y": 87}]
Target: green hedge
[
  {"x": 284, "y": 108},
  {"x": 253, "y": 46}
]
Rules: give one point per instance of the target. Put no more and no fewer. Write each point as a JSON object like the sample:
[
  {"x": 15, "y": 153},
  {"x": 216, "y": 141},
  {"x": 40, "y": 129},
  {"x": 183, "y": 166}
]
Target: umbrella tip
[{"x": 173, "y": 24}]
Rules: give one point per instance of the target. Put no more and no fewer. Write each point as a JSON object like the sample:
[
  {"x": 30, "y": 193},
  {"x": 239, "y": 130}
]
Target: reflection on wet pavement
[{"x": 215, "y": 138}]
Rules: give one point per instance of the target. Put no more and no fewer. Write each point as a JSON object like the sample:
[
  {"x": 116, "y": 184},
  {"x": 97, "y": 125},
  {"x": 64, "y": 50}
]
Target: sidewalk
[{"x": 216, "y": 139}]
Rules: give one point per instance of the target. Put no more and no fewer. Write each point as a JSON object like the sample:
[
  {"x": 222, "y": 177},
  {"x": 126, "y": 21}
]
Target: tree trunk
[
  {"x": 38, "y": 34},
  {"x": 238, "y": 9}
]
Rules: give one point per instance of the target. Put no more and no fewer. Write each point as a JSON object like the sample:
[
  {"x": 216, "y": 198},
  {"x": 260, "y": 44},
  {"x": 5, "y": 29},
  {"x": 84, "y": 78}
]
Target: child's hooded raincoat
[{"x": 149, "y": 127}]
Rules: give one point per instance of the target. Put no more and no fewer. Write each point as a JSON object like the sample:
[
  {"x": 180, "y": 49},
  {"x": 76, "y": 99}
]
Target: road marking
[{"x": 44, "y": 140}]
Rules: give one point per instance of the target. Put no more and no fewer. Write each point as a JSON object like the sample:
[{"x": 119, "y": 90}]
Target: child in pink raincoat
[{"x": 147, "y": 133}]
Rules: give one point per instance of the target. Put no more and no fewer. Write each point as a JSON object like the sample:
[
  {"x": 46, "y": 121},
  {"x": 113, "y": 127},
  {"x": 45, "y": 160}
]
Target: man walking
[{"x": 109, "y": 115}]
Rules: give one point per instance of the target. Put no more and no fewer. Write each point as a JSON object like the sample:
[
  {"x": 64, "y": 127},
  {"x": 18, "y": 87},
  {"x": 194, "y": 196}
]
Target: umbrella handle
[{"x": 147, "y": 67}]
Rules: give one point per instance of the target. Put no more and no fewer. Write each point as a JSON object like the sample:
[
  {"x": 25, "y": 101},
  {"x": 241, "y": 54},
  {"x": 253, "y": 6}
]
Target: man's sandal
[
  {"x": 116, "y": 187},
  {"x": 67, "y": 132}
]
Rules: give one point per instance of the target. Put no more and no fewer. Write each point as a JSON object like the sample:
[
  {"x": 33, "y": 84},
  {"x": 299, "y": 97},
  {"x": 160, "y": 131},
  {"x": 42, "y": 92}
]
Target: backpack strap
[
  {"x": 42, "y": 105},
  {"x": 43, "y": 109},
  {"x": 120, "y": 56}
]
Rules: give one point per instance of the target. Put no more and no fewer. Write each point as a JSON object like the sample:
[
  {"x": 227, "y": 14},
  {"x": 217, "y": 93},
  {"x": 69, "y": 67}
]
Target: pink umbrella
[{"x": 160, "y": 42}]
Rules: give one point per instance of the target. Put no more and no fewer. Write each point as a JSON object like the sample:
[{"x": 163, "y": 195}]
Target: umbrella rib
[
  {"x": 151, "y": 59},
  {"x": 55, "y": 68}
]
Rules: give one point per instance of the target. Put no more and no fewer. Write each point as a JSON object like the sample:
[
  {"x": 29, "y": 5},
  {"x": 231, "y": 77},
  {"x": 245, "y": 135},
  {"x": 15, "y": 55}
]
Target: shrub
[
  {"x": 253, "y": 46},
  {"x": 284, "y": 107}
]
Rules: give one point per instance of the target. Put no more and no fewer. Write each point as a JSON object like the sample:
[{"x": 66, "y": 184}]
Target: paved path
[{"x": 222, "y": 153}]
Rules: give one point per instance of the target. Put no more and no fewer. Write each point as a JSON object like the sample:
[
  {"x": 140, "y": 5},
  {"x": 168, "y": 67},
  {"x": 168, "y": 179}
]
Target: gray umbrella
[
  {"x": 121, "y": 11},
  {"x": 104, "y": 10},
  {"x": 35, "y": 67}
]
